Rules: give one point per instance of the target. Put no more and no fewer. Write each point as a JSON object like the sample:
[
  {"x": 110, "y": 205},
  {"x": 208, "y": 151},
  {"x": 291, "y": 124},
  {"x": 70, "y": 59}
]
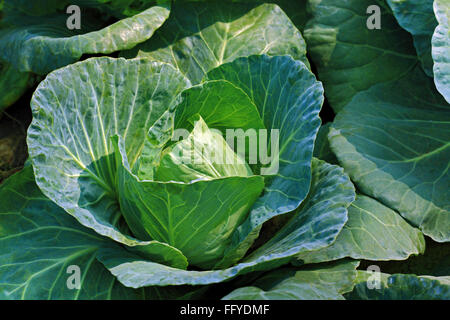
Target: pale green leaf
[
  {"x": 203, "y": 155},
  {"x": 372, "y": 232},
  {"x": 441, "y": 48}
]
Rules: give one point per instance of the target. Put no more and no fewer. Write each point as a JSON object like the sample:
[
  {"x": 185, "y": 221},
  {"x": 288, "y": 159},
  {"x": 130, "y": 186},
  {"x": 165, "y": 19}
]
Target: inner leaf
[{"x": 203, "y": 155}]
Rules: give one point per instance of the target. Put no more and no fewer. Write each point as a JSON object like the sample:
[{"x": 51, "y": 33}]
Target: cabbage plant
[{"x": 253, "y": 150}]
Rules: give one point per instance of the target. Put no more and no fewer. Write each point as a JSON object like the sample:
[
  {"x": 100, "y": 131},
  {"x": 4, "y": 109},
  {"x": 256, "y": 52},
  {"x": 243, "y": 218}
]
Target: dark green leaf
[
  {"x": 349, "y": 57},
  {"x": 393, "y": 142},
  {"x": 417, "y": 17}
]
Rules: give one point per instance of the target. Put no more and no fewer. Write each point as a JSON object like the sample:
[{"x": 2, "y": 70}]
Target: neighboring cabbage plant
[{"x": 35, "y": 38}]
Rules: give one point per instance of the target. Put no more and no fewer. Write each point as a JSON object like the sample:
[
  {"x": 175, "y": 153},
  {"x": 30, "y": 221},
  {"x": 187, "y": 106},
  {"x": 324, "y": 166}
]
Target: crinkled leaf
[
  {"x": 43, "y": 44},
  {"x": 201, "y": 36},
  {"x": 313, "y": 226},
  {"x": 393, "y": 142},
  {"x": 288, "y": 98},
  {"x": 76, "y": 110},
  {"x": 349, "y": 57},
  {"x": 372, "y": 232},
  {"x": 441, "y": 48},
  {"x": 417, "y": 17},
  {"x": 326, "y": 282},
  {"x": 401, "y": 287}
]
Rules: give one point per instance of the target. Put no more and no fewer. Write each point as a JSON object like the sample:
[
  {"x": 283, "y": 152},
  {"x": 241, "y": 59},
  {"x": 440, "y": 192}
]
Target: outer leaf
[
  {"x": 393, "y": 141},
  {"x": 13, "y": 84},
  {"x": 373, "y": 232},
  {"x": 349, "y": 57},
  {"x": 441, "y": 48},
  {"x": 417, "y": 17},
  {"x": 315, "y": 225},
  {"x": 75, "y": 111},
  {"x": 197, "y": 218},
  {"x": 317, "y": 283},
  {"x": 38, "y": 242},
  {"x": 288, "y": 98},
  {"x": 201, "y": 36},
  {"x": 404, "y": 287},
  {"x": 40, "y": 45}
]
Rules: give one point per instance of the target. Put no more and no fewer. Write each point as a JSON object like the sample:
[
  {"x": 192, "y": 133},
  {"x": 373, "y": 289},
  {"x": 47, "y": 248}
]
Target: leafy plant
[{"x": 184, "y": 156}]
